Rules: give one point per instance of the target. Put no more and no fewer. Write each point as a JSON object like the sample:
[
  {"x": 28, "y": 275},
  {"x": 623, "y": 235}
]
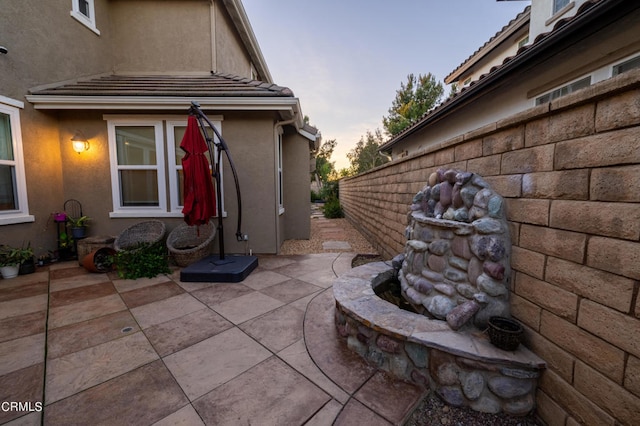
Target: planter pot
[
  {"x": 27, "y": 267},
  {"x": 79, "y": 232},
  {"x": 99, "y": 260},
  {"x": 60, "y": 217},
  {"x": 9, "y": 271},
  {"x": 505, "y": 333}
]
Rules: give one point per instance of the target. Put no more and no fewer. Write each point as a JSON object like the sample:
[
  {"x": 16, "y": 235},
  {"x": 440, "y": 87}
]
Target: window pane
[
  {"x": 84, "y": 7},
  {"x": 6, "y": 144},
  {"x": 559, "y": 4},
  {"x": 8, "y": 190},
  {"x": 139, "y": 188},
  {"x": 180, "y": 187},
  {"x": 136, "y": 145},
  {"x": 627, "y": 65},
  {"x": 178, "y": 134}
]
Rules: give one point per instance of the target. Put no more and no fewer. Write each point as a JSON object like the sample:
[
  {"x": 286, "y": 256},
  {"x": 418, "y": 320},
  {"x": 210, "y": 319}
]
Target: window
[
  {"x": 564, "y": 90},
  {"x": 13, "y": 188},
  {"x": 523, "y": 42},
  {"x": 280, "y": 188},
  {"x": 558, "y": 5},
  {"x": 175, "y": 132},
  {"x": 626, "y": 66},
  {"x": 139, "y": 157},
  {"x": 84, "y": 12}
]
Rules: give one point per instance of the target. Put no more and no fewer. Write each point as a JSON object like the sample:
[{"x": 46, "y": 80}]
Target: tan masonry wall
[{"x": 570, "y": 175}]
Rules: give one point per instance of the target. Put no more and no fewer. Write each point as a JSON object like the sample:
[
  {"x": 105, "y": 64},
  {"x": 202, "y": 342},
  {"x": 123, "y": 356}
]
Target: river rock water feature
[
  {"x": 455, "y": 274},
  {"x": 456, "y": 266}
]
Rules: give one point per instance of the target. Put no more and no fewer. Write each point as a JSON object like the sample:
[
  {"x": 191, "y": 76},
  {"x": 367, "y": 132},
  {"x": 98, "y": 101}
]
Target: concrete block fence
[{"x": 570, "y": 175}]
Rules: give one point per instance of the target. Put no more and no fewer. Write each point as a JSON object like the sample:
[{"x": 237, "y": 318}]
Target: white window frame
[
  {"x": 12, "y": 108},
  {"x": 624, "y": 61},
  {"x": 537, "y": 100},
  {"x": 137, "y": 211},
  {"x": 558, "y": 5},
  {"x": 87, "y": 21},
  {"x": 279, "y": 173},
  {"x": 174, "y": 198}
]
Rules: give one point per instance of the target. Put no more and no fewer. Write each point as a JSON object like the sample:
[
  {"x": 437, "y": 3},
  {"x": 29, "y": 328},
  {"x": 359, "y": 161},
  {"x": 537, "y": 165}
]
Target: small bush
[
  {"x": 144, "y": 260},
  {"x": 332, "y": 209},
  {"x": 314, "y": 196}
]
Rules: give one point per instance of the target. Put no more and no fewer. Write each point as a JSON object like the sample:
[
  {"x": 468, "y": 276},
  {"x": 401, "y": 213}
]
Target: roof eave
[
  {"x": 287, "y": 105},
  {"x": 542, "y": 49},
  {"x": 513, "y": 27}
]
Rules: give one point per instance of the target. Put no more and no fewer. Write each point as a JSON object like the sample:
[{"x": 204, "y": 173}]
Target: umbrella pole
[
  {"x": 215, "y": 173},
  {"x": 237, "y": 268}
]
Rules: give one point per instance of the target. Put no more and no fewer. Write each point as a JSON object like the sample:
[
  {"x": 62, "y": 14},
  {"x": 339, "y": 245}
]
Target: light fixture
[{"x": 80, "y": 143}]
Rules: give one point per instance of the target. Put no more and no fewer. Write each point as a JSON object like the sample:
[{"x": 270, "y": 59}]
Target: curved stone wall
[{"x": 457, "y": 257}]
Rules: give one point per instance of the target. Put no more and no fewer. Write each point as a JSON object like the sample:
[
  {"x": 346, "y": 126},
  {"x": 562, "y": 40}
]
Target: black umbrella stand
[{"x": 219, "y": 267}]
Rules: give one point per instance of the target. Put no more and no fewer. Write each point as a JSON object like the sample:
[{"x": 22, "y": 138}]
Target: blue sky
[{"x": 345, "y": 59}]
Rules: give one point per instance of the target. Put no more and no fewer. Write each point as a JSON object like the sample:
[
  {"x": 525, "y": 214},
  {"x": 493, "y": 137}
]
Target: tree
[
  {"x": 325, "y": 168},
  {"x": 365, "y": 155},
  {"x": 414, "y": 98}
]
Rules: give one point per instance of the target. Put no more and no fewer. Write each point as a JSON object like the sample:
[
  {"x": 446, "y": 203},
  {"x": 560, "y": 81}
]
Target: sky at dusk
[{"x": 345, "y": 59}]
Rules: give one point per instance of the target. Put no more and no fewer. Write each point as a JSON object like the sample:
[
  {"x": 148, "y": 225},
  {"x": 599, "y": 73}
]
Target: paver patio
[{"x": 94, "y": 349}]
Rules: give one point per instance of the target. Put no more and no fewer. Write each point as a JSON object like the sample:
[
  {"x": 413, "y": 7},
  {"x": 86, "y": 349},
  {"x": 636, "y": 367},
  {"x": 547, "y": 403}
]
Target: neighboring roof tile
[
  {"x": 470, "y": 88},
  {"x": 214, "y": 85},
  {"x": 496, "y": 35}
]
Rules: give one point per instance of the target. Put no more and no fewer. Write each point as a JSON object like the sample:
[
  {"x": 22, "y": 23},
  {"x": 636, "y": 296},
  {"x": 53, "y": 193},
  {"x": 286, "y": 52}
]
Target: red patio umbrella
[{"x": 199, "y": 197}]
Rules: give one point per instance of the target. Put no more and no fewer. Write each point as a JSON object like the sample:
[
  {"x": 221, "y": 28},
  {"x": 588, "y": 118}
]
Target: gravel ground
[
  {"x": 314, "y": 244},
  {"x": 432, "y": 411}
]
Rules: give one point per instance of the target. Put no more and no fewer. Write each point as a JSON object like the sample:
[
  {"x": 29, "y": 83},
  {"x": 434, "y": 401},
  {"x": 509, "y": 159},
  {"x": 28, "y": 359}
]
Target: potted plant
[
  {"x": 78, "y": 226},
  {"x": 99, "y": 260},
  {"x": 27, "y": 260},
  {"x": 9, "y": 261}
]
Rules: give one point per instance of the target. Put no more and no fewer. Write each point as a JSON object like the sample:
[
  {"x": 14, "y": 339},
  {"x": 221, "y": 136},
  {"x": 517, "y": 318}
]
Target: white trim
[
  {"x": 11, "y": 102},
  {"x": 279, "y": 171},
  {"x": 559, "y": 13},
  {"x": 174, "y": 203},
  {"x": 21, "y": 215},
  {"x": 159, "y": 167},
  {"x": 290, "y": 105},
  {"x": 87, "y": 21}
]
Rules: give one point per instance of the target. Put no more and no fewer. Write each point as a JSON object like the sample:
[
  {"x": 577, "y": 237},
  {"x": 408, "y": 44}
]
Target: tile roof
[
  {"x": 469, "y": 90},
  {"x": 214, "y": 85},
  {"x": 506, "y": 28}
]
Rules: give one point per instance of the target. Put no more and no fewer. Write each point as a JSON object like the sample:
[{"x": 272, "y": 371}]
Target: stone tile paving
[{"x": 159, "y": 351}]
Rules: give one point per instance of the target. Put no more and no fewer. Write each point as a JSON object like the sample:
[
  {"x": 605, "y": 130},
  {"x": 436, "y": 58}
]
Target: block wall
[{"x": 570, "y": 175}]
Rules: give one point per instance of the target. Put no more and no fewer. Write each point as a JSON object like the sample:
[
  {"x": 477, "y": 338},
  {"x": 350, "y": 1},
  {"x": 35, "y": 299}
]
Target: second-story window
[
  {"x": 84, "y": 12},
  {"x": 558, "y": 5}
]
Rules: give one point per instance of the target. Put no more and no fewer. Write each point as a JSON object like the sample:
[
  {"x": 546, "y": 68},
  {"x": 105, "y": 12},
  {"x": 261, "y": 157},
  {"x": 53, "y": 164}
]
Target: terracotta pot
[{"x": 98, "y": 260}]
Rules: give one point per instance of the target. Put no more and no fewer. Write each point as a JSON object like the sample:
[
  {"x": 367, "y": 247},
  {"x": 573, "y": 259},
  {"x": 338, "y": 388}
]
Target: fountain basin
[{"x": 462, "y": 367}]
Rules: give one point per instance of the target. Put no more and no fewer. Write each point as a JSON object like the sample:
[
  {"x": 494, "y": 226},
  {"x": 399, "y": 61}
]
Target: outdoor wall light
[{"x": 80, "y": 143}]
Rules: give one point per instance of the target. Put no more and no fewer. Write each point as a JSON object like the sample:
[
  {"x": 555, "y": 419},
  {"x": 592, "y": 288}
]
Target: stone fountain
[{"x": 454, "y": 275}]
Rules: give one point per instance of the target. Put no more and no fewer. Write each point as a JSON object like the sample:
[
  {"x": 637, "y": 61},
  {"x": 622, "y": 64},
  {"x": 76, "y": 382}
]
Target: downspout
[
  {"x": 212, "y": 14},
  {"x": 279, "y": 124}
]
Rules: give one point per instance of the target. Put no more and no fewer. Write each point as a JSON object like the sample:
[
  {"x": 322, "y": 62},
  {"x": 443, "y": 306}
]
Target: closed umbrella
[{"x": 199, "y": 198}]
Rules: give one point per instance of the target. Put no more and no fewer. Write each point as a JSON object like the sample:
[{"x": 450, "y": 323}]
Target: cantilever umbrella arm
[{"x": 222, "y": 146}]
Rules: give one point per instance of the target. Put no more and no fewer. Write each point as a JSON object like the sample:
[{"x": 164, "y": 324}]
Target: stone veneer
[
  {"x": 462, "y": 368},
  {"x": 457, "y": 255}
]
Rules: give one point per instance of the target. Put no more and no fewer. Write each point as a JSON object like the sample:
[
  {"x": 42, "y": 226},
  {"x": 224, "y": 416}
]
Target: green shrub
[
  {"x": 332, "y": 209},
  {"x": 314, "y": 196},
  {"x": 143, "y": 260}
]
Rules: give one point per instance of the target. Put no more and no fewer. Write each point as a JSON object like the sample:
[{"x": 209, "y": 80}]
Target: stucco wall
[
  {"x": 297, "y": 203},
  {"x": 570, "y": 174}
]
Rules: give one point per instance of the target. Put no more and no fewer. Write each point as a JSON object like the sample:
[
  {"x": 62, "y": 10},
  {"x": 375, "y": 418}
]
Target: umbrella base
[{"x": 232, "y": 269}]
